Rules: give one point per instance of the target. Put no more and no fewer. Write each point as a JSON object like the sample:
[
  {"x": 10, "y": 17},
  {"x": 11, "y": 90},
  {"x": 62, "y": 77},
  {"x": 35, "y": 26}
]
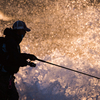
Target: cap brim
[{"x": 27, "y": 29}]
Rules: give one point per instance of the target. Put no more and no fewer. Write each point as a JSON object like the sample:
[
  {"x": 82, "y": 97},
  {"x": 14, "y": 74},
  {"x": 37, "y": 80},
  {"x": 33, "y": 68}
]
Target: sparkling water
[{"x": 66, "y": 33}]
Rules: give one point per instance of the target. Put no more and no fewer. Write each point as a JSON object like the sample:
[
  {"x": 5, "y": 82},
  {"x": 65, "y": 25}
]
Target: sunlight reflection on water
[{"x": 65, "y": 33}]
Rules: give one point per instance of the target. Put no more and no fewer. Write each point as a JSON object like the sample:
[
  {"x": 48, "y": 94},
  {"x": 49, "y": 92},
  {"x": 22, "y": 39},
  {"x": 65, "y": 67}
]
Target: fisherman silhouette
[{"x": 13, "y": 59}]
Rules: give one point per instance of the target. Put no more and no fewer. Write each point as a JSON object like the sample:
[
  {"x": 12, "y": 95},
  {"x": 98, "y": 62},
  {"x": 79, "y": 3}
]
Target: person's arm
[{"x": 28, "y": 56}]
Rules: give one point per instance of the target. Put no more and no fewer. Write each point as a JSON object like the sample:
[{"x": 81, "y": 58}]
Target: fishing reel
[{"x": 31, "y": 64}]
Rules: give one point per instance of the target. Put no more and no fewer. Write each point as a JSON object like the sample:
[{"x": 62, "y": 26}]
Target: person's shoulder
[{"x": 10, "y": 40}]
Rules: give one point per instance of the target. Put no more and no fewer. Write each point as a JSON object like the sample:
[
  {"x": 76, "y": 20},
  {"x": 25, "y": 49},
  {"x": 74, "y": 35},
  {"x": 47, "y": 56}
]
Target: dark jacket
[{"x": 14, "y": 59}]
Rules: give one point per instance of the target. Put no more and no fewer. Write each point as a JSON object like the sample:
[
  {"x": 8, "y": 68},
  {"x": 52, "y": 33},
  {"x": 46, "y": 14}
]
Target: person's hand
[
  {"x": 32, "y": 57},
  {"x": 31, "y": 64}
]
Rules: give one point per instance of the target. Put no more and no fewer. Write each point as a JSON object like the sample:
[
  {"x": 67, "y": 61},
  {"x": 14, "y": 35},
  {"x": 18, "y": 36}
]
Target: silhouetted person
[{"x": 12, "y": 60}]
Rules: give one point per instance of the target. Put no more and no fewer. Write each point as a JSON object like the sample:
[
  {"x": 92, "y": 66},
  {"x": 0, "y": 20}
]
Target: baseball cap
[{"x": 20, "y": 25}]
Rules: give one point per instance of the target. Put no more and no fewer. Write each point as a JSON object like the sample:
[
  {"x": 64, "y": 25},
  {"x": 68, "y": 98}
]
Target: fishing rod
[{"x": 69, "y": 69}]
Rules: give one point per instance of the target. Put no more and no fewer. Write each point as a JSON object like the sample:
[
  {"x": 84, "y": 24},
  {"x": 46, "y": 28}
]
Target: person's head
[{"x": 20, "y": 29}]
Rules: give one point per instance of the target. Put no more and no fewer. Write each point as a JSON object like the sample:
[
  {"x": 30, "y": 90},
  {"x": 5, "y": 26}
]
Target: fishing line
[{"x": 69, "y": 69}]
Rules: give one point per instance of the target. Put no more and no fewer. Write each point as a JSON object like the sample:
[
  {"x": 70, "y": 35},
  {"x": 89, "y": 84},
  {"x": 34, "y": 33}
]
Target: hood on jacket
[{"x": 13, "y": 33}]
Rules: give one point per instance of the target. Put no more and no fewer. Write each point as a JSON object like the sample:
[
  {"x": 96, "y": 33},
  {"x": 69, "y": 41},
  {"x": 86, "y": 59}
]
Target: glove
[{"x": 31, "y": 64}]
